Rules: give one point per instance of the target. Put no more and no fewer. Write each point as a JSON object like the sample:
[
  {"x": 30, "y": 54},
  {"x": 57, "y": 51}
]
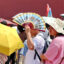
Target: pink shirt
[{"x": 55, "y": 52}]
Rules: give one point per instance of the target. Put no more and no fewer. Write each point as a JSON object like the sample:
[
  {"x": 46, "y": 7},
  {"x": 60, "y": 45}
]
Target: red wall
[{"x": 8, "y": 8}]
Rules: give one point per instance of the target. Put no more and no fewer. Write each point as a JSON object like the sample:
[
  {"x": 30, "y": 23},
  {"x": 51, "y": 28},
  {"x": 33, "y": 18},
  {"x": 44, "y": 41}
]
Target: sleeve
[
  {"x": 25, "y": 48},
  {"x": 38, "y": 42},
  {"x": 51, "y": 52}
]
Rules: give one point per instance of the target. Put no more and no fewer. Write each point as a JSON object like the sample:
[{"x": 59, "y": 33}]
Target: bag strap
[
  {"x": 36, "y": 53},
  {"x": 45, "y": 46},
  {"x": 44, "y": 50}
]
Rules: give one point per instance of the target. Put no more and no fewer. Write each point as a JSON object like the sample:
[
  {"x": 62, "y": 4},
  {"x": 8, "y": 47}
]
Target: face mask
[{"x": 52, "y": 37}]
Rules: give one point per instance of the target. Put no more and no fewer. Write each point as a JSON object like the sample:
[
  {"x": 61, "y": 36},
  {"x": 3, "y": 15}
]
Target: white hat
[
  {"x": 56, "y": 23},
  {"x": 62, "y": 15}
]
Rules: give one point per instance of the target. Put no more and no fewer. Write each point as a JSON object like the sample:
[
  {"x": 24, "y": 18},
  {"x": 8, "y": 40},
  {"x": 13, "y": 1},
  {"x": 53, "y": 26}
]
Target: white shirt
[{"x": 38, "y": 45}]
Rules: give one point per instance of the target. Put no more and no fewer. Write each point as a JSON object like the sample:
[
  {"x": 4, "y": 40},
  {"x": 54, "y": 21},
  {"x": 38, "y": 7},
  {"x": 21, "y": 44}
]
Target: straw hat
[{"x": 57, "y": 24}]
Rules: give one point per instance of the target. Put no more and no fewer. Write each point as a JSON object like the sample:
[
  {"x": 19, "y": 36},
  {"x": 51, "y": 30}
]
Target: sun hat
[
  {"x": 56, "y": 23},
  {"x": 62, "y": 15}
]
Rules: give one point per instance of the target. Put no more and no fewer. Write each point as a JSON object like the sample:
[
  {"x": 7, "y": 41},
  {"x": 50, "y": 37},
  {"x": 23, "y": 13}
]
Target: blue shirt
[{"x": 25, "y": 49}]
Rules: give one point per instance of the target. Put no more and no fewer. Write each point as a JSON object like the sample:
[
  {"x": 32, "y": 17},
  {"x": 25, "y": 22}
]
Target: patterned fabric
[
  {"x": 32, "y": 19},
  {"x": 3, "y": 58}
]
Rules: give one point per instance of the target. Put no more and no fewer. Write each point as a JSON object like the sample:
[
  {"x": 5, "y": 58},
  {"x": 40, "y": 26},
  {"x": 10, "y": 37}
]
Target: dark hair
[
  {"x": 22, "y": 32},
  {"x": 12, "y": 25},
  {"x": 4, "y": 22},
  {"x": 47, "y": 25},
  {"x": 60, "y": 34},
  {"x": 20, "y": 28}
]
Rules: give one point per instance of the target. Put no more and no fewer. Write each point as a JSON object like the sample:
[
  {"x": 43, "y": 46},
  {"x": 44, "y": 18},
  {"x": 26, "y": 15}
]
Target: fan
[{"x": 33, "y": 18}]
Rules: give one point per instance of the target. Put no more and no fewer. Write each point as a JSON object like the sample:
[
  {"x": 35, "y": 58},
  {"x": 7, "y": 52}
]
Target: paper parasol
[{"x": 33, "y": 18}]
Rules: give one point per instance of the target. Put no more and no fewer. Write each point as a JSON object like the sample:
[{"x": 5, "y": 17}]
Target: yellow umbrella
[{"x": 9, "y": 40}]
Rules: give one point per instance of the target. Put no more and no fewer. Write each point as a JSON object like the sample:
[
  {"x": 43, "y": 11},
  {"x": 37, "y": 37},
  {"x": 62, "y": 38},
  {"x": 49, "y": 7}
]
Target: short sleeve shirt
[
  {"x": 55, "y": 52},
  {"x": 38, "y": 45}
]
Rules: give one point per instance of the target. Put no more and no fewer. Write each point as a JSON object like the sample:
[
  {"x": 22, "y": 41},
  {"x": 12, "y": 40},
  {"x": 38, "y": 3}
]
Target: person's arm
[
  {"x": 43, "y": 58},
  {"x": 51, "y": 52},
  {"x": 29, "y": 38}
]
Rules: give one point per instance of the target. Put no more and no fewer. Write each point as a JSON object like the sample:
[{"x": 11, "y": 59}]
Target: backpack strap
[
  {"x": 45, "y": 47},
  {"x": 36, "y": 54},
  {"x": 43, "y": 51}
]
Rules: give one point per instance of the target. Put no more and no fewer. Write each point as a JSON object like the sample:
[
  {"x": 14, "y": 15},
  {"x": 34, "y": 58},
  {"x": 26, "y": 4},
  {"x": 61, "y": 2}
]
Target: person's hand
[
  {"x": 29, "y": 38},
  {"x": 27, "y": 29}
]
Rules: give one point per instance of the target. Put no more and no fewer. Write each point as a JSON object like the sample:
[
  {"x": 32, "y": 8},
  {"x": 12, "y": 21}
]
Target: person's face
[
  {"x": 52, "y": 31},
  {"x": 34, "y": 32}
]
